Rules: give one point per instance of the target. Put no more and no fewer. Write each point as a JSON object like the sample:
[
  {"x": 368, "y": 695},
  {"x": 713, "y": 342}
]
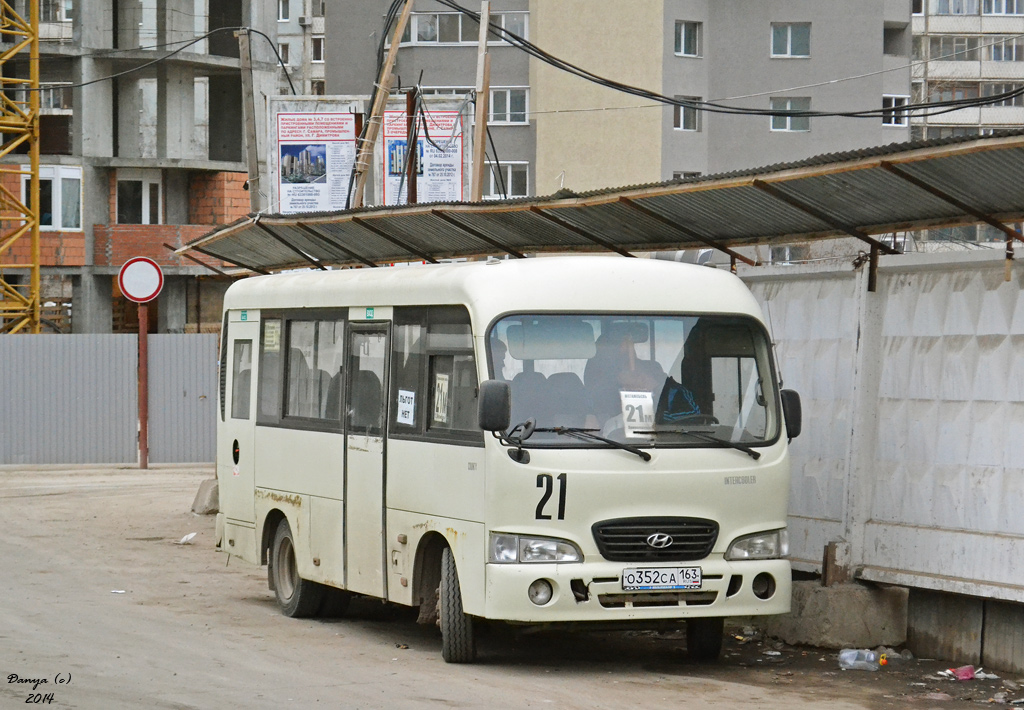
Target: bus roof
[{"x": 490, "y": 288}]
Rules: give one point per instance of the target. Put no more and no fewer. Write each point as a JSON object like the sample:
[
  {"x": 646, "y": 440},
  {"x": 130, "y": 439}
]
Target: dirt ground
[{"x": 98, "y": 601}]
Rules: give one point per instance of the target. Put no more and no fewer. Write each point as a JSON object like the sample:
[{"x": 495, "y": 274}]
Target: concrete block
[
  {"x": 947, "y": 626},
  {"x": 1004, "y": 636},
  {"x": 842, "y": 616},
  {"x": 207, "y": 500}
]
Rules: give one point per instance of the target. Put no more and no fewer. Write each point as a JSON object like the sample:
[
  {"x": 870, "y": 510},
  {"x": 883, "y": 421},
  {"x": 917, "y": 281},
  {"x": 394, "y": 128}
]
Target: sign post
[{"x": 141, "y": 281}]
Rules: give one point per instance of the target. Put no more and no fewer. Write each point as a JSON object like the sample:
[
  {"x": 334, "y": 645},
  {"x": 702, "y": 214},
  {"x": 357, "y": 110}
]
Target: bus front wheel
[
  {"x": 704, "y": 638},
  {"x": 296, "y": 596},
  {"x": 457, "y": 643}
]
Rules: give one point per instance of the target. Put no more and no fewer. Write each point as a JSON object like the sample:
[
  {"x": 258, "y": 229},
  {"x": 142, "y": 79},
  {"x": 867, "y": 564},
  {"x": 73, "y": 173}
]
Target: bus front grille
[{"x": 655, "y": 539}]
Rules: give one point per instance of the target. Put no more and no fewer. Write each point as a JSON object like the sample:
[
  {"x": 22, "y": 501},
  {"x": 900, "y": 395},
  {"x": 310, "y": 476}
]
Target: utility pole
[
  {"x": 483, "y": 95},
  {"x": 365, "y": 154},
  {"x": 252, "y": 155},
  {"x": 412, "y": 149}
]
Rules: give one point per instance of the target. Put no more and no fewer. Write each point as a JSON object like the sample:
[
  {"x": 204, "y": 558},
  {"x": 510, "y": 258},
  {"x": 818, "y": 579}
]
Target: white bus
[{"x": 573, "y": 440}]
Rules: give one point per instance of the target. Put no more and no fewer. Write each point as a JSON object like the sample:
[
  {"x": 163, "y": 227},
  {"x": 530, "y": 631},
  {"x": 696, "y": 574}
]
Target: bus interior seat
[
  {"x": 566, "y": 392},
  {"x": 331, "y": 396},
  {"x": 528, "y": 394},
  {"x": 366, "y": 400},
  {"x": 300, "y": 377}
]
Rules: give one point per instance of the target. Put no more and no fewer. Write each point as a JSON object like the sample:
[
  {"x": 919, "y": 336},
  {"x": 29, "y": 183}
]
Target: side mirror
[
  {"x": 494, "y": 409},
  {"x": 792, "y": 412}
]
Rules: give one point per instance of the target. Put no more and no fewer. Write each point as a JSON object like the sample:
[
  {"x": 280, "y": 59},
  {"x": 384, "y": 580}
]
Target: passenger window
[
  {"x": 408, "y": 343},
  {"x": 313, "y": 385},
  {"x": 453, "y": 392},
  {"x": 270, "y": 371},
  {"x": 241, "y": 379}
]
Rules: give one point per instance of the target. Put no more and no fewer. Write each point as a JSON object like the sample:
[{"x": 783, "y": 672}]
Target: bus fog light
[
  {"x": 540, "y": 592},
  {"x": 763, "y": 586},
  {"x": 769, "y": 545}
]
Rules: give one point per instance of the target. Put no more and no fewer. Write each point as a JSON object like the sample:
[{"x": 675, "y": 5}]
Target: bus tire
[
  {"x": 457, "y": 643},
  {"x": 704, "y": 638},
  {"x": 296, "y": 596}
]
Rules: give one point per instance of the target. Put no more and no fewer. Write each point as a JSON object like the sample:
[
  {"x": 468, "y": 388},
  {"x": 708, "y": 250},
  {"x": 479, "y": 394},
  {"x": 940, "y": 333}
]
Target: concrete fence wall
[
  {"x": 74, "y": 398},
  {"x": 912, "y": 451}
]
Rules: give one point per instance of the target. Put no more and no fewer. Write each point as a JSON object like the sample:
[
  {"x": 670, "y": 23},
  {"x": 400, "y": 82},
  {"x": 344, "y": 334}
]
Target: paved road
[{"x": 94, "y": 592}]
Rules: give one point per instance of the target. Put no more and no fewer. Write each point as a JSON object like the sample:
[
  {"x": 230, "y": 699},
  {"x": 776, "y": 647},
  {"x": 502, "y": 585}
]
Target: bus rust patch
[{"x": 293, "y": 499}]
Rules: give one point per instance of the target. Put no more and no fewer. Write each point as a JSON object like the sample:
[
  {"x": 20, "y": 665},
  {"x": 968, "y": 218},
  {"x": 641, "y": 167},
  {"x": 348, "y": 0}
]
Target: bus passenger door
[
  {"x": 235, "y": 454},
  {"x": 365, "y": 422}
]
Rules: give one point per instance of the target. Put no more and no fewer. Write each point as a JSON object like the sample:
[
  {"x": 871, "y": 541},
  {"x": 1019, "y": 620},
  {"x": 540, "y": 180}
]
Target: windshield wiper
[
  {"x": 589, "y": 435},
  {"x": 753, "y": 453}
]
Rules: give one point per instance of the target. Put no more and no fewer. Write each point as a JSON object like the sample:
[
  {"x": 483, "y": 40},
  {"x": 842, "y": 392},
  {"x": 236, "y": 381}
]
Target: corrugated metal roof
[{"x": 866, "y": 192}]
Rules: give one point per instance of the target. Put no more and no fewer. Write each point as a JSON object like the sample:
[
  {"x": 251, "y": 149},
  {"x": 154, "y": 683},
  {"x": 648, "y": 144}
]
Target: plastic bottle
[{"x": 858, "y": 659}]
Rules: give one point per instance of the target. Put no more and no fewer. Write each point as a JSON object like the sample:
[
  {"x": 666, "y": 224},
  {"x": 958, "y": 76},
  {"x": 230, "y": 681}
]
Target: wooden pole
[
  {"x": 365, "y": 154},
  {"x": 252, "y": 155},
  {"x": 143, "y": 386},
  {"x": 412, "y": 150},
  {"x": 483, "y": 95}
]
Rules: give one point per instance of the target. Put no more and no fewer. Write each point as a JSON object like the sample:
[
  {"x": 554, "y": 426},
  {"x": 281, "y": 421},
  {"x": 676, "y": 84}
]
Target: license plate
[{"x": 661, "y": 578}]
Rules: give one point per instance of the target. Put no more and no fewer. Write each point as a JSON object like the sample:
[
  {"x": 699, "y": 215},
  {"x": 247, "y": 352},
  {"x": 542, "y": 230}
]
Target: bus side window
[
  {"x": 241, "y": 373},
  {"x": 407, "y": 345},
  {"x": 270, "y": 372}
]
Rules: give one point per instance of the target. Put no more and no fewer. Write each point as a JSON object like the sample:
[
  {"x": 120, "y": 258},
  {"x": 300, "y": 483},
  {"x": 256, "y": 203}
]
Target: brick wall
[
  {"x": 116, "y": 243},
  {"x": 217, "y": 198}
]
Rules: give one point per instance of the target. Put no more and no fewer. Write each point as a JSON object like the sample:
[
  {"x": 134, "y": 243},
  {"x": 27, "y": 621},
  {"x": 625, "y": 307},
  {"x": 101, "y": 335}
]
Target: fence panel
[
  {"x": 182, "y": 398},
  {"x": 68, "y": 399}
]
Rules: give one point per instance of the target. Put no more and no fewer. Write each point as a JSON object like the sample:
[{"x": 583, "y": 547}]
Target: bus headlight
[
  {"x": 507, "y": 549},
  {"x": 761, "y": 546}
]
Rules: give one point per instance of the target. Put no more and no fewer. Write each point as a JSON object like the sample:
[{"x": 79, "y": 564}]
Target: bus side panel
[
  {"x": 436, "y": 479},
  {"x": 296, "y": 460},
  {"x": 326, "y": 541},
  {"x": 296, "y": 509},
  {"x": 240, "y": 540},
  {"x": 466, "y": 539}
]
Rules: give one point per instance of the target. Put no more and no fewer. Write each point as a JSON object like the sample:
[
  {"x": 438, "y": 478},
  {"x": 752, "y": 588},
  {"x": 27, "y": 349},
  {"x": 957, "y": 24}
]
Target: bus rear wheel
[
  {"x": 457, "y": 642},
  {"x": 704, "y": 638},
  {"x": 296, "y": 596}
]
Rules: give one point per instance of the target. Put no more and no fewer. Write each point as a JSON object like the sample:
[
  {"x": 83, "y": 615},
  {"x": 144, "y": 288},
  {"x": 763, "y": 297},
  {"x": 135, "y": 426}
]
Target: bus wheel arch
[
  {"x": 426, "y": 576},
  {"x": 270, "y": 523}
]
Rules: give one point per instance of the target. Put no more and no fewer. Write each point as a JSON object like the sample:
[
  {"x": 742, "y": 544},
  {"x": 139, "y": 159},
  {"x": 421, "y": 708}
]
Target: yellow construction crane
[{"x": 19, "y": 124}]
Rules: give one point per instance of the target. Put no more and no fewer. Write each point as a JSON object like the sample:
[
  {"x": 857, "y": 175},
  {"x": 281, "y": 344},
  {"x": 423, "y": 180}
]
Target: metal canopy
[{"x": 861, "y": 194}]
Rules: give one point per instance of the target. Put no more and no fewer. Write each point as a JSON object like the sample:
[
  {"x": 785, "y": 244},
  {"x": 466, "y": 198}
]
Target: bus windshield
[{"x": 645, "y": 380}]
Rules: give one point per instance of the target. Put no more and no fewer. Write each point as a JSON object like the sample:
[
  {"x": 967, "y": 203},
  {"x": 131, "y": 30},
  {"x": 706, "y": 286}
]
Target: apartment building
[
  {"x": 301, "y": 42},
  {"x": 151, "y": 156},
  {"x": 968, "y": 49},
  {"x": 552, "y": 130}
]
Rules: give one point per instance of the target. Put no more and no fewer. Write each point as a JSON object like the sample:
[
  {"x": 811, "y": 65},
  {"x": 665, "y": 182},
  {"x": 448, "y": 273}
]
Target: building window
[
  {"x": 456, "y": 28},
  {"x": 139, "y": 197},
  {"x": 686, "y": 118},
  {"x": 508, "y": 106},
  {"x": 953, "y": 48},
  {"x": 318, "y": 48},
  {"x": 791, "y": 40},
  {"x": 893, "y": 110},
  {"x": 318, "y": 88},
  {"x": 56, "y": 11},
  {"x": 1005, "y": 49},
  {"x": 688, "y": 38},
  {"x": 917, "y": 7},
  {"x": 954, "y": 7},
  {"x": 282, "y": 49},
  {"x": 60, "y": 197},
  {"x": 1003, "y": 7},
  {"x": 507, "y": 180},
  {"x": 283, "y": 10},
  {"x": 791, "y": 123},
  {"x": 894, "y": 41},
  {"x": 952, "y": 91},
  {"x": 318, "y": 8},
  {"x": 989, "y": 89},
  {"x": 685, "y": 174}
]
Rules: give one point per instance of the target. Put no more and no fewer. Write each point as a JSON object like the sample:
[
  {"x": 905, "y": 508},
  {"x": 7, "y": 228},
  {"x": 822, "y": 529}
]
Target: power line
[{"x": 924, "y": 109}]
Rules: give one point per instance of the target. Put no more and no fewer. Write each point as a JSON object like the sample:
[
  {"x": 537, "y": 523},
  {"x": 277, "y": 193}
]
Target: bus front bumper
[{"x": 594, "y": 592}]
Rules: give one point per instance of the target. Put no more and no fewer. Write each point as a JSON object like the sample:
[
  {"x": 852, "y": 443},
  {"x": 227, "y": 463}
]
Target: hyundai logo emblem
[{"x": 659, "y": 540}]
